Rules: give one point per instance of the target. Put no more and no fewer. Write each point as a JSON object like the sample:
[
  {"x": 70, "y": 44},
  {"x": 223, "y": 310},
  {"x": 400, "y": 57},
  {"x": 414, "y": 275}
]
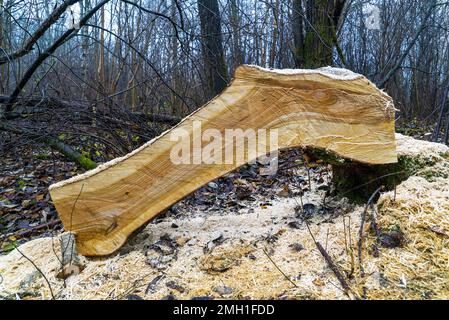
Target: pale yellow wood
[{"x": 329, "y": 109}]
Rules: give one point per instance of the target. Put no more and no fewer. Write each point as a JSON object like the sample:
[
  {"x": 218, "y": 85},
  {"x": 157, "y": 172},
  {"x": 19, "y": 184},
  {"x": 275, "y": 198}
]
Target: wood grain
[{"x": 349, "y": 117}]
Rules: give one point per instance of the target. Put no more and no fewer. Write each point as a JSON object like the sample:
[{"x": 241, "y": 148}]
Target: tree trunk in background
[
  {"x": 135, "y": 65},
  {"x": 3, "y": 68},
  {"x": 101, "y": 71},
  {"x": 322, "y": 18},
  {"x": 212, "y": 46},
  {"x": 176, "y": 104}
]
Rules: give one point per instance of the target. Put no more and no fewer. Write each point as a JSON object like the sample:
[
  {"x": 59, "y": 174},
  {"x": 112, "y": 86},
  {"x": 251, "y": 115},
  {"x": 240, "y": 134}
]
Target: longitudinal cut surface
[{"x": 332, "y": 109}]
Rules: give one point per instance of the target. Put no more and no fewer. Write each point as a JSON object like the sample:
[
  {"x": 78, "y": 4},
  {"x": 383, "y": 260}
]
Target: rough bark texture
[
  {"x": 315, "y": 37},
  {"x": 298, "y": 31},
  {"x": 331, "y": 109}
]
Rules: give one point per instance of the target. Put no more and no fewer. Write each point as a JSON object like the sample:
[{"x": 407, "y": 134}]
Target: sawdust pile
[{"x": 265, "y": 253}]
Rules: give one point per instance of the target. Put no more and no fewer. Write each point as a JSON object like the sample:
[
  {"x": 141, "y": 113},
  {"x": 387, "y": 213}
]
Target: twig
[
  {"x": 134, "y": 286},
  {"x": 344, "y": 230},
  {"x": 333, "y": 267},
  {"x": 374, "y": 221},
  {"x": 308, "y": 176},
  {"x": 349, "y": 249},
  {"x": 349, "y": 232}
]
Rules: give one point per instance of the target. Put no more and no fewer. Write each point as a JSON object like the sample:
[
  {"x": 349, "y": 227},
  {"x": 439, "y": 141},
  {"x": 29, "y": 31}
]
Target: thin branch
[
  {"x": 330, "y": 263},
  {"x": 398, "y": 64}
]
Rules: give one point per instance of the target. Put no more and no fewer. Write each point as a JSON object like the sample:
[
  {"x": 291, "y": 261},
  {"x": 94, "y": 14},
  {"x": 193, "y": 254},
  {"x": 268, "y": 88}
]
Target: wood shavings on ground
[{"x": 265, "y": 252}]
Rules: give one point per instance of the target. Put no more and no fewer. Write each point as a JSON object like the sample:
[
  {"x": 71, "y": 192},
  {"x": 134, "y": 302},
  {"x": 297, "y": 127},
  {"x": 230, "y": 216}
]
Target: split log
[{"x": 329, "y": 109}]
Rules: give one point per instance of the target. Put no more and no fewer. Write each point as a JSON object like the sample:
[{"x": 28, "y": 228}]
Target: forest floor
[{"x": 241, "y": 236}]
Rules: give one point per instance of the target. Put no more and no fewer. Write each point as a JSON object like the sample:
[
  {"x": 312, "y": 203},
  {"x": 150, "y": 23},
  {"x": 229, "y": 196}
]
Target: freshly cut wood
[{"x": 332, "y": 109}]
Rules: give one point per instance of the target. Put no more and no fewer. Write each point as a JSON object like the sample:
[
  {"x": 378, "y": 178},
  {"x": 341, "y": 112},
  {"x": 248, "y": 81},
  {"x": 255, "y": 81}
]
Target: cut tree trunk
[{"x": 329, "y": 109}]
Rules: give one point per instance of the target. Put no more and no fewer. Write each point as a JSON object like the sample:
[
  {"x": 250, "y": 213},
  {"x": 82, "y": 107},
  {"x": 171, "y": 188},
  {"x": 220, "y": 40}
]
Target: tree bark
[
  {"x": 3, "y": 69},
  {"x": 298, "y": 32},
  {"x": 236, "y": 35}
]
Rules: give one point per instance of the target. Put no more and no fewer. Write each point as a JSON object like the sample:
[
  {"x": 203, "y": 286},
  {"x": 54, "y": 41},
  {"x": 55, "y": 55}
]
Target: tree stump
[{"x": 358, "y": 181}]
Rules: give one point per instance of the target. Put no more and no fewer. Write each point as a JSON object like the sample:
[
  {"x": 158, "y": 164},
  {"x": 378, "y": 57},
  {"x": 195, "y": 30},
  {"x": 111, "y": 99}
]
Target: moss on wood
[{"x": 358, "y": 181}]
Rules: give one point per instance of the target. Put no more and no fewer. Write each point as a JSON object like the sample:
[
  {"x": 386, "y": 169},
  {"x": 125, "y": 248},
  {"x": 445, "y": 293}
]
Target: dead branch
[
  {"x": 36, "y": 105},
  {"x": 279, "y": 269},
  {"x": 54, "y": 143},
  {"x": 330, "y": 263},
  {"x": 47, "y": 53},
  {"x": 334, "y": 268}
]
